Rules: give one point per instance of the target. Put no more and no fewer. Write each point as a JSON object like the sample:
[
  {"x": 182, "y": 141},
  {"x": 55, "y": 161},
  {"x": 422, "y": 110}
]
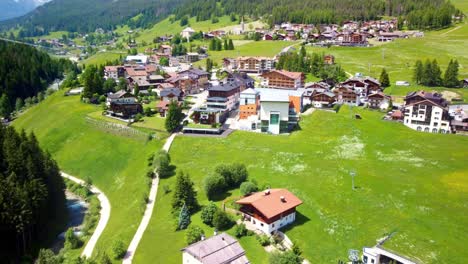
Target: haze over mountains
[{"x": 16, "y": 8}]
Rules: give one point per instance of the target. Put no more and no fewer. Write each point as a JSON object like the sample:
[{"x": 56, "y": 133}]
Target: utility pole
[{"x": 352, "y": 173}]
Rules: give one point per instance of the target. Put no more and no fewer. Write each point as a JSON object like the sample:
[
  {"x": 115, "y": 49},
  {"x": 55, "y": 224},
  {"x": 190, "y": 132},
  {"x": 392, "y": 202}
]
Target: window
[
  {"x": 372, "y": 261},
  {"x": 364, "y": 259},
  {"x": 426, "y": 129},
  {"x": 273, "y": 225},
  {"x": 434, "y": 130},
  {"x": 261, "y": 224},
  {"x": 419, "y": 128},
  {"x": 274, "y": 119},
  {"x": 435, "y": 124}
]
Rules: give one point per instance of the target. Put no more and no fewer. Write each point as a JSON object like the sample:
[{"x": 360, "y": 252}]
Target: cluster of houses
[
  {"x": 351, "y": 33},
  {"x": 146, "y": 76}
]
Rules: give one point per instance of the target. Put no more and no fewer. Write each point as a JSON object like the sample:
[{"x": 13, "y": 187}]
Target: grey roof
[
  {"x": 116, "y": 95},
  {"x": 219, "y": 249},
  {"x": 168, "y": 91},
  {"x": 224, "y": 87}
]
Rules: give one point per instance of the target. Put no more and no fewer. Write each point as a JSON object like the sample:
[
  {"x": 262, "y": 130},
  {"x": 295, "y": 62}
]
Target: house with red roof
[{"x": 270, "y": 210}]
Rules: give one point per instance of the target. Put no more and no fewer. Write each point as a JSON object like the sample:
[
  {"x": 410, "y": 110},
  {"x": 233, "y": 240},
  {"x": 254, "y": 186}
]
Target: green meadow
[
  {"x": 410, "y": 184},
  {"x": 115, "y": 163}
]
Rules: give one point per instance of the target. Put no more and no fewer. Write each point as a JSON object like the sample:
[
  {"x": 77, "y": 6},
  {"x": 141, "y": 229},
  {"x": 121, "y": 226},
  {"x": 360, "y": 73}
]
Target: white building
[
  {"x": 138, "y": 59},
  {"x": 426, "y": 112},
  {"x": 270, "y": 210},
  {"x": 187, "y": 32},
  {"x": 219, "y": 249},
  {"x": 377, "y": 255}
]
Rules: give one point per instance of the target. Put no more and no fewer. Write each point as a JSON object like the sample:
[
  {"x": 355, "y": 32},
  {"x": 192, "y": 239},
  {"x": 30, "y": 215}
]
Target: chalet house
[
  {"x": 171, "y": 94},
  {"x": 378, "y": 100},
  {"x": 255, "y": 64},
  {"x": 123, "y": 104},
  {"x": 165, "y": 50},
  {"x": 163, "y": 107},
  {"x": 323, "y": 99},
  {"x": 191, "y": 81},
  {"x": 270, "y": 210},
  {"x": 114, "y": 72},
  {"x": 352, "y": 39},
  {"x": 459, "y": 115},
  {"x": 192, "y": 57},
  {"x": 242, "y": 79},
  {"x": 346, "y": 95},
  {"x": 390, "y": 36},
  {"x": 219, "y": 249},
  {"x": 249, "y": 103},
  {"x": 378, "y": 255},
  {"x": 229, "y": 64},
  {"x": 317, "y": 85},
  {"x": 426, "y": 112},
  {"x": 281, "y": 79},
  {"x": 362, "y": 85}
]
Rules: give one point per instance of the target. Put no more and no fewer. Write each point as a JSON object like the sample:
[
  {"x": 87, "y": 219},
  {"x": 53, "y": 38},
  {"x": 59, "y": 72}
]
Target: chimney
[{"x": 283, "y": 199}]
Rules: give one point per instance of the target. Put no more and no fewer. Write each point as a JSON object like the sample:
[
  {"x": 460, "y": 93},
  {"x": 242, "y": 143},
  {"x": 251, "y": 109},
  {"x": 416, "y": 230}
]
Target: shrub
[
  {"x": 138, "y": 117},
  {"x": 221, "y": 220},
  {"x": 264, "y": 240},
  {"x": 214, "y": 184},
  {"x": 285, "y": 258},
  {"x": 241, "y": 230},
  {"x": 71, "y": 240},
  {"x": 247, "y": 188},
  {"x": 162, "y": 163},
  {"x": 166, "y": 189},
  {"x": 337, "y": 107},
  {"x": 194, "y": 234},
  {"x": 118, "y": 249},
  {"x": 207, "y": 213},
  {"x": 233, "y": 174}
]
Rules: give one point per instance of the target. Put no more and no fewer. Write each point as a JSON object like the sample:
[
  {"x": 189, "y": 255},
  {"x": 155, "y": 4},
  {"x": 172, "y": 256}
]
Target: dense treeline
[
  {"x": 87, "y": 15},
  {"x": 26, "y": 71},
  {"x": 32, "y": 199},
  {"x": 435, "y": 13},
  {"x": 430, "y": 74}
]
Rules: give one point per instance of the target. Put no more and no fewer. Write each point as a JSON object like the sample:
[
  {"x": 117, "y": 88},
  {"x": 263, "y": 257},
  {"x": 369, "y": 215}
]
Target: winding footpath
[
  {"x": 105, "y": 214},
  {"x": 148, "y": 211}
]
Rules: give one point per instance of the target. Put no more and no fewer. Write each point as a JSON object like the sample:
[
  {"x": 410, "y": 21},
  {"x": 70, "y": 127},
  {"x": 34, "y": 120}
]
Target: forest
[
  {"x": 26, "y": 71},
  {"x": 32, "y": 199},
  {"x": 88, "y": 15}
]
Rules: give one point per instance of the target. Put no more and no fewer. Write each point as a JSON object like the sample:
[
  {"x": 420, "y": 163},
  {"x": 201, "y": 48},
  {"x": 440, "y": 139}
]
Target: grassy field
[
  {"x": 101, "y": 58},
  {"x": 414, "y": 184},
  {"x": 116, "y": 164}
]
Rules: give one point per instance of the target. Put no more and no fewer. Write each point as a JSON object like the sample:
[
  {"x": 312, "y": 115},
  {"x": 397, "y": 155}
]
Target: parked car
[{"x": 402, "y": 83}]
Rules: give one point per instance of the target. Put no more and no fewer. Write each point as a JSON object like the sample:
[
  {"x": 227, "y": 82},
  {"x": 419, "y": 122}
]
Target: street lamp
[{"x": 352, "y": 173}]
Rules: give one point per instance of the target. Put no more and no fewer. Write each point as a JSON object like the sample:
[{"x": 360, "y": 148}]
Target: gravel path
[
  {"x": 148, "y": 211},
  {"x": 105, "y": 214}
]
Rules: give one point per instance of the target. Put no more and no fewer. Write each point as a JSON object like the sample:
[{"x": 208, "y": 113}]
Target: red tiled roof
[
  {"x": 271, "y": 205},
  {"x": 133, "y": 72}
]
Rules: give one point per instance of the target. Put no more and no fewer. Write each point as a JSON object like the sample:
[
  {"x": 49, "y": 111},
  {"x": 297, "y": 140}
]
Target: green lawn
[
  {"x": 413, "y": 183},
  {"x": 155, "y": 122},
  {"x": 101, "y": 58},
  {"x": 116, "y": 164}
]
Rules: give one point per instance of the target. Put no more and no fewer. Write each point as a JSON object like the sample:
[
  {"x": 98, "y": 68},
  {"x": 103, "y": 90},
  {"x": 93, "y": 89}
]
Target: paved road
[
  {"x": 148, "y": 211},
  {"x": 105, "y": 214}
]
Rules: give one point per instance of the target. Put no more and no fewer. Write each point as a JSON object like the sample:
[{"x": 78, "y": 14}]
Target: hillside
[{"x": 87, "y": 15}]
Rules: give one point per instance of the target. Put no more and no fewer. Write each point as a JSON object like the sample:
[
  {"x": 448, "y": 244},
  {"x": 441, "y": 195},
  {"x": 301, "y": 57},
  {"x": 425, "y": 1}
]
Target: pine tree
[
  {"x": 5, "y": 108},
  {"x": 184, "y": 218},
  {"x": 226, "y": 46},
  {"x": 436, "y": 74},
  {"x": 426, "y": 77},
  {"x": 231, "y": 44},
  {"x": 212, "y": 44},
  {"x": 451, "y": 75},
  {"x": 384, "y": 79},
  {"x": 184, "y": 193},
  {"x": 418, "y": 72}
]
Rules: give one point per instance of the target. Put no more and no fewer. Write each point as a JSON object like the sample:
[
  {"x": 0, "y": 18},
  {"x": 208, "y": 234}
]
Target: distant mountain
[{"x": 16, "y": 8}]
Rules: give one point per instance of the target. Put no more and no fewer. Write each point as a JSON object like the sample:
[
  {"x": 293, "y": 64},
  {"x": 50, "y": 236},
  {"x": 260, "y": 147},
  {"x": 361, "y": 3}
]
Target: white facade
[
  {"x": 248, "y": 97},
  {"x": 373, "y": 255},
  {"x": 269, "y": 228},
  {"x": 274, "y": 112},
  {"x": 427, "y": 118},
  {"x": 187, "y": 33},
  {"x": 139, "y": 59},
  {"x": 189, "y": 259}
]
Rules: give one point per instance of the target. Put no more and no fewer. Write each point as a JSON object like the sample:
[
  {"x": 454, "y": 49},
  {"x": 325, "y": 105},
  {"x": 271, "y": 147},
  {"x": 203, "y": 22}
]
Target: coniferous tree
[
  {"x": 226, "y": 45},
  {"x": 418, "y": 72},
  {"x": 184, "y": 193},
  {"x": 231, "y": 44},
  {"x": 184, "y": 218},
  {"x": 384, "y": 79},
  {"x": 426, "y": 77},
  {"x": 436, "y": 79},
  {"x": 451, "y": 75}
]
